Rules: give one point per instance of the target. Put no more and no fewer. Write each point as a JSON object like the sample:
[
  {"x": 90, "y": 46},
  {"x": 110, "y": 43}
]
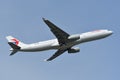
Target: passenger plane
[{"x": 64, "y": 42}]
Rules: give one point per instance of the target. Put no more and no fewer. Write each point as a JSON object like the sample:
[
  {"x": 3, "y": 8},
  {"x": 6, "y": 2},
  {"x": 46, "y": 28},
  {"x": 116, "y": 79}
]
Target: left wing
[{"x": 58, "y": 53}]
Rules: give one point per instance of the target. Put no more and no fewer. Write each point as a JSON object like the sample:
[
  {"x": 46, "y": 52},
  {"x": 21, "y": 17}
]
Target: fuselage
[
  {"x": 54, "y": 44},
  {"x": 63, "y": 42}
]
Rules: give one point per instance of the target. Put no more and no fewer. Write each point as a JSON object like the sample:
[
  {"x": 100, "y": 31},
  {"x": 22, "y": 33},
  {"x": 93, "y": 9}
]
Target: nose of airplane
[{"x": 110, "y": 32}]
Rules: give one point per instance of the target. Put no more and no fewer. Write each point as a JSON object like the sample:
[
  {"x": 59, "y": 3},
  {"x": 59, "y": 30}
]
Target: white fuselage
[{"x": 54, "y": 44}]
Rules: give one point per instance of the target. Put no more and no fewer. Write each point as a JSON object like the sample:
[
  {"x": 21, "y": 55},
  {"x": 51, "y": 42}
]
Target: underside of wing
[
  {"x": 58, "y": 53},
  {"x": 61, "y": 35}
]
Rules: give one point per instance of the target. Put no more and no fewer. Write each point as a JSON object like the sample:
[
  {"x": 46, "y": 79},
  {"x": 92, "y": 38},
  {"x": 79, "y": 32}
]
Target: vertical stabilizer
[
  {"x": 15, "y": 44},
  {"x": 15, "y": 41}
]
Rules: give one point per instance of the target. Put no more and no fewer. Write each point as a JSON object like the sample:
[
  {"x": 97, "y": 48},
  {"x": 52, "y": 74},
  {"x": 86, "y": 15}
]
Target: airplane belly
[
  {"x": 40, "y": 46},
  {"x": 36, "y": 48},
  {"x": 91, "y": 37}
]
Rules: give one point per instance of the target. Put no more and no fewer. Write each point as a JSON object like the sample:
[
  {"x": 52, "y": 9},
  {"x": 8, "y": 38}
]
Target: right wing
[
  {"x": 61, "y": 35},
  {"x": 58, "y": 53}
]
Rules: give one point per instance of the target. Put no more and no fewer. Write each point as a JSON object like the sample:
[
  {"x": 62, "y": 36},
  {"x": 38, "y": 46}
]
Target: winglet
[
  {"x": 45, "y": 59},
  {"x": 44, "y": 19}
]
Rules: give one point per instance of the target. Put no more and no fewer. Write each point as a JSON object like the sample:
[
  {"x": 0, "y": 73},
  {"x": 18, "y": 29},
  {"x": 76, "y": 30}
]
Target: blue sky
[{"x": 98, "y": 60}]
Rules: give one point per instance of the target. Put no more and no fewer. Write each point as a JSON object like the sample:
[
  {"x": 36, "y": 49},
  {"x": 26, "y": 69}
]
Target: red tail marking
[{"x": 16, "y": 41}]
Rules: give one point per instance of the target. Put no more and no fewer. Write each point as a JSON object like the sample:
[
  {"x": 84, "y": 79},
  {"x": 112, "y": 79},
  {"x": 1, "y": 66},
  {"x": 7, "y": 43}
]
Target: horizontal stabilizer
[
  {"x": 13, "y": 52},
  {"x": 14, "y": 46}
]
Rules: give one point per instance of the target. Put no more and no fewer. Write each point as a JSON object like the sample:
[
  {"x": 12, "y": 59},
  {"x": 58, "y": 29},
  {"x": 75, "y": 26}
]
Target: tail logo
[{"x": 15, "y": 41}]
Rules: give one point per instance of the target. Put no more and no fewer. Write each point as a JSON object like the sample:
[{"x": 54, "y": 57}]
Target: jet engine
[
  {"x": 74, "y": 50},
  {"x": 74, "y": 37}
]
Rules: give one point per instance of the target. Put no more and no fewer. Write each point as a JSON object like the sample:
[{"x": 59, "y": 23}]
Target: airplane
[{"x": 63, "y": 42}]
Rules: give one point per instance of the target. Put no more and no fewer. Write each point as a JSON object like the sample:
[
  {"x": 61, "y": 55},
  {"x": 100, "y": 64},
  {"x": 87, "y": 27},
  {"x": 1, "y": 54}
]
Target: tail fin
[
  {"x": 15, "y": 44},
  {"x": 15, "y": 41}
]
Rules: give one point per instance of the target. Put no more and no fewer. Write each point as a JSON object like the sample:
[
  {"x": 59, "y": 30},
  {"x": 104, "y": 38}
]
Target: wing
[
  {"x": 58, "y": 53},
  {"x": 61, "y": 35}
]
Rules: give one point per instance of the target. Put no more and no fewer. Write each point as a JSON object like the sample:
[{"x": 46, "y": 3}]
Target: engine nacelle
[
  {"x": 74, "y": 50},
  {"x": 74, "y": 37}
]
